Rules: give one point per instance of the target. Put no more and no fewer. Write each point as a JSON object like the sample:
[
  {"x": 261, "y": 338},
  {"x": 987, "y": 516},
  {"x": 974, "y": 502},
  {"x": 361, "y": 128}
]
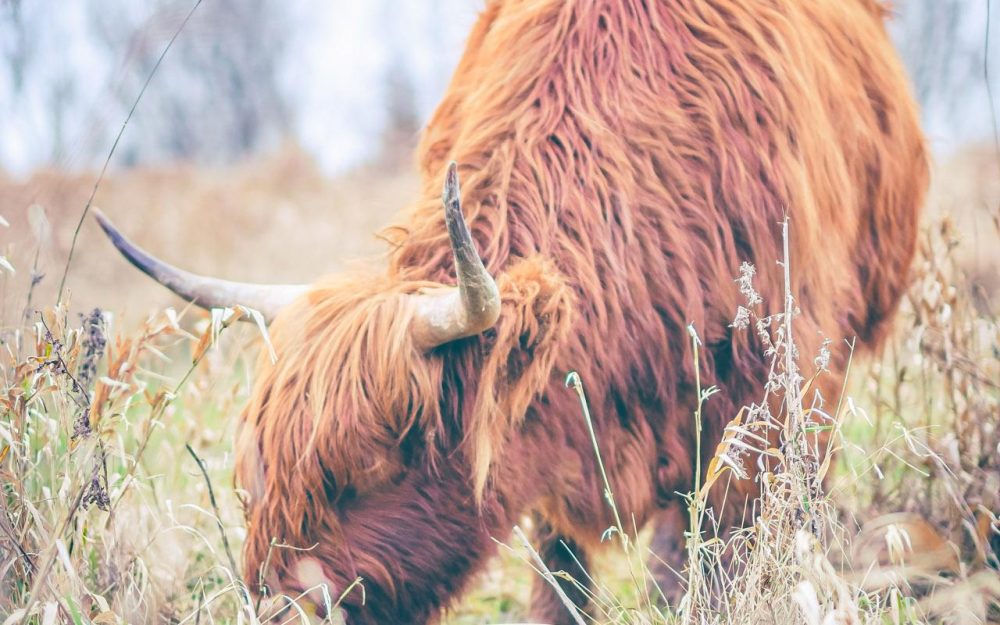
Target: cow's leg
[
  {"x": 669, "y": 550},
  {"x": 559, "y": 554},
  {"x": 669, "y": 559}
]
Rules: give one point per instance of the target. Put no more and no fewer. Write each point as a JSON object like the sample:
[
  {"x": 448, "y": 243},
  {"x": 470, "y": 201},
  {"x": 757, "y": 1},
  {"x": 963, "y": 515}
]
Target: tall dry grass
[{"x": 902, "y": 528}]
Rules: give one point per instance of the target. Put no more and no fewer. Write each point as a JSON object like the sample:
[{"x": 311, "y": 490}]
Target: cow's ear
[{"x": 537, "y": 312}]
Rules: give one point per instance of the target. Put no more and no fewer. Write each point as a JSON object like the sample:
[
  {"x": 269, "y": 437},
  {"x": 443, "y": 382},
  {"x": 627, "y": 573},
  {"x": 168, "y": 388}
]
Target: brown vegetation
[{"x": 270, "y": 219}]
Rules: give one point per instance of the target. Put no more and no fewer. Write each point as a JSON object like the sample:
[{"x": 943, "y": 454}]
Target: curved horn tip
[
  {"x": 112, "y": 232},
  {"x": 452, "y": 192},
  {"x": 474, "y": 305},
  {"x": 102, "y": 219}
]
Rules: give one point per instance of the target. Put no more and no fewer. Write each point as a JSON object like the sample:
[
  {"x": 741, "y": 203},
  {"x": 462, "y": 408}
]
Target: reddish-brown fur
[{"x": 619, "y": 160}]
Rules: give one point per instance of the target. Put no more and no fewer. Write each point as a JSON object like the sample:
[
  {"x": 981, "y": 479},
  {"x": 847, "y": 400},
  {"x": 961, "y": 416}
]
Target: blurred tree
[
  {"x": 15, "y": 44},
  {"x": 71, "y": 70},
  {"x": 217, "y": 98},
  {"x": 943, "y": 43},
  {"x": 402, "y": 121}
]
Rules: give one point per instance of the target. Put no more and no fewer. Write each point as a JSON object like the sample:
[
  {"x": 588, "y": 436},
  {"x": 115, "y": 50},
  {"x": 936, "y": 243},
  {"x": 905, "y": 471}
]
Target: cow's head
[{"x": 366, "y": 448}]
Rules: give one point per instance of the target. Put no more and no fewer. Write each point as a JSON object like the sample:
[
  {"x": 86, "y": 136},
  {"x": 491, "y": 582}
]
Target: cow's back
[{"x": 650, "y": 149}]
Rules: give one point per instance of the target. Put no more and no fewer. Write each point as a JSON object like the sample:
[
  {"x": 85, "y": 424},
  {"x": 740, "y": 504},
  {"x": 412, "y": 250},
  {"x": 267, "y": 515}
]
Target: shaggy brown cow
[{"x": 620, "y": 160}]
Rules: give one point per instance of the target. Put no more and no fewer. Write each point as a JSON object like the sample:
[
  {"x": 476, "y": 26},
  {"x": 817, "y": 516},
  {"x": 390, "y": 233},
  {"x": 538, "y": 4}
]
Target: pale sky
[{"x": 331, "y": 74}]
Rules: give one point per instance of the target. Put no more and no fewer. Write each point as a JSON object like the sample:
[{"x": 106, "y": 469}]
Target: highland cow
[{"x": 619, "y": 159}]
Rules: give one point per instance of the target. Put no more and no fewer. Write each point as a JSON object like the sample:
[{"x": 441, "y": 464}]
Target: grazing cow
[{"x": 620, "y": 159}]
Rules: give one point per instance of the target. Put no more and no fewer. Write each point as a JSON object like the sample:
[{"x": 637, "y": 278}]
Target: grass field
[{"x": 118, "y": 503}]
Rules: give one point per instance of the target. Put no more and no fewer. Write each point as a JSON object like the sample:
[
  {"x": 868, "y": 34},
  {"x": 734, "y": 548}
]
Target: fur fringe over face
[
  {"x": 620, "y": 159},
  {"x": 359, "y": 404}
]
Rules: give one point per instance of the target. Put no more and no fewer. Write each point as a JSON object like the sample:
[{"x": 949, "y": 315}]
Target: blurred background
[{"x": 275, "y": 137}]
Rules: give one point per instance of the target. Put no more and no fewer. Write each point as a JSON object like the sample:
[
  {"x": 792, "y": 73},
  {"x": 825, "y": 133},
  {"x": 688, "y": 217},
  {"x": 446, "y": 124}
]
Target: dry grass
[
  {"x": 902, "y": 528},
  {"x": 275, "y": 219},
  {"x": 110, "y": 518}
]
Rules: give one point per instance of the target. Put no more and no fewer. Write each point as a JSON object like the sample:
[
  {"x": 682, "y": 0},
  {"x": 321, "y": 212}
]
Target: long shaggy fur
[{"x": 620, "y": 159}]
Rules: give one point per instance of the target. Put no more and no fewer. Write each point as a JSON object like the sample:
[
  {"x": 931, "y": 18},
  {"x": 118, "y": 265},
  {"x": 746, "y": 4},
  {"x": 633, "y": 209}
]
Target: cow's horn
[
  {"x": 204, "y": 291},
  {"x": 474, "y": 306}
]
